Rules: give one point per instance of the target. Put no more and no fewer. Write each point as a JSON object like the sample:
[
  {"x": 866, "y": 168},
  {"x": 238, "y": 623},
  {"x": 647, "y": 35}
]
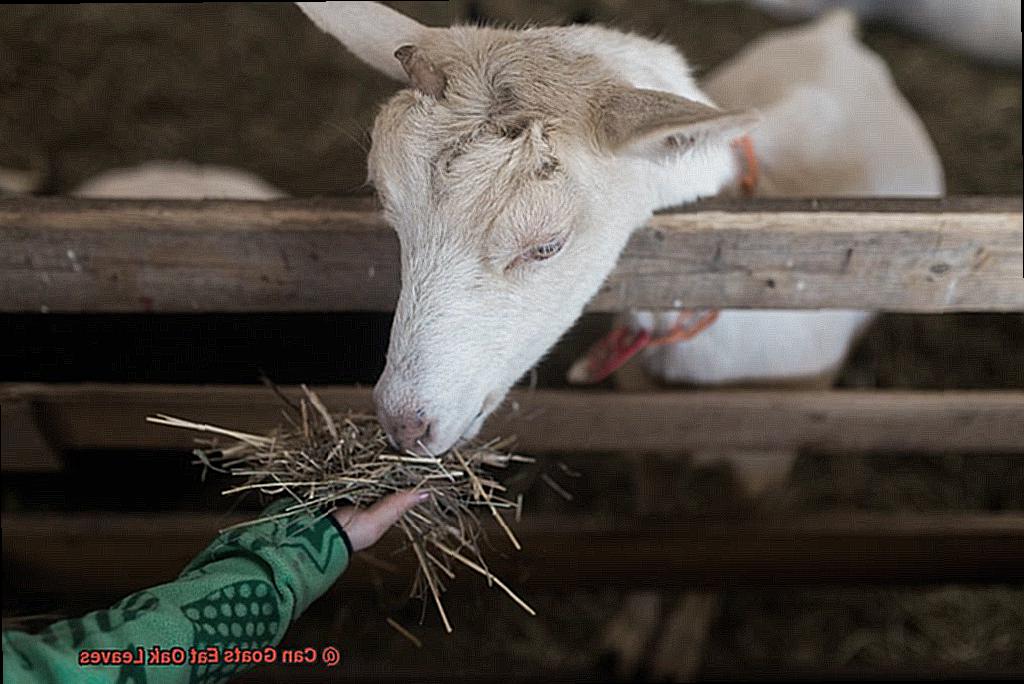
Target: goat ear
[
  {"x": 651, "y": 122},
  {"x": 370, "y": 30}
]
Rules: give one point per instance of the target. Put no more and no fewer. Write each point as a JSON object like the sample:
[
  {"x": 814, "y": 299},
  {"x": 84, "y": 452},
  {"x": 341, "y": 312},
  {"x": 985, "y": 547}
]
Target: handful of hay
[{"x": 323, "y": 461}]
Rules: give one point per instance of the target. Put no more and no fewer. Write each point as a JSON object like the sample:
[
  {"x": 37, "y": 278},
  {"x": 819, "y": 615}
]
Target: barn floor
[{"x": 85, "y": 88}]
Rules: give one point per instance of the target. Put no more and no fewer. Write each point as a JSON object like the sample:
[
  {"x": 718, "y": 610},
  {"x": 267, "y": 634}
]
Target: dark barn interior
[{"x": 86, "y": 88}]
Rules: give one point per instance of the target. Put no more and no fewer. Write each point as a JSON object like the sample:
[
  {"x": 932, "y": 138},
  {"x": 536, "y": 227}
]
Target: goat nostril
[
  {"x": 422, "y": 439},
  {"x": 420, "y": 431},
  {"x": 406, "y": 430}
]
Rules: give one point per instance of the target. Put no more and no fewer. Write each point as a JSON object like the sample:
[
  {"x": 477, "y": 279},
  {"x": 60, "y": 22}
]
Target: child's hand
[{"x": 364, "y": 526}]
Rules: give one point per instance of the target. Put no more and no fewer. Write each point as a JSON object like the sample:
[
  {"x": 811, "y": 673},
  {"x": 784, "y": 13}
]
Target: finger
[
  {"x": 365, "y": 526},
  {"x": 388, "y": 510}
]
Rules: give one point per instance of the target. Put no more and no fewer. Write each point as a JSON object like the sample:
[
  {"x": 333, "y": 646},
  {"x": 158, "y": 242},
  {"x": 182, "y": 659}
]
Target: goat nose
[{"x": 405, "y": 429}]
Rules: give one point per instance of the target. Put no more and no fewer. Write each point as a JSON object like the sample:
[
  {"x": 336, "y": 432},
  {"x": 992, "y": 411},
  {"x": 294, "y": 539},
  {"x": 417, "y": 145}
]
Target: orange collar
[
  {"x": 613, "y": 350},
  {"x": 748, "y": 179}
]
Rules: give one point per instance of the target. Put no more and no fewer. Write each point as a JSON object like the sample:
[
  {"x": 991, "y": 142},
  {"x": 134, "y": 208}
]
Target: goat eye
[
  {"x": 546, "y": 250},
  {"x": 537, "y": 253}
]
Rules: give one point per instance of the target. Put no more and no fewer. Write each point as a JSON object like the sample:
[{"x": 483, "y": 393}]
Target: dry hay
[{"x": 323, "y": 460}]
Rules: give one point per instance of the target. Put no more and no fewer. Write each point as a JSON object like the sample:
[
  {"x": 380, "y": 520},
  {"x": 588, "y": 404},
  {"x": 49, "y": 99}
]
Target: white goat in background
[
  {"x": 156, "y": 179},
  {"x": 177, "y": 180},
  {"x": 833, "y": 125},
  {"x": 986, "y": 29}
]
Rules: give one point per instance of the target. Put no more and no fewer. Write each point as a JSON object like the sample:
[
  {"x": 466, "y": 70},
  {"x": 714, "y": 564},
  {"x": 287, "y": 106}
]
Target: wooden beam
[
  {"x": 61, "y": 254},
  {"x": 123, "y": 552},
  {"x": 110, "y": 416}
]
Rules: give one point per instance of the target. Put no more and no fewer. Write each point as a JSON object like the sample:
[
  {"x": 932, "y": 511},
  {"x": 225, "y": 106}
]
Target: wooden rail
[
  {"x": 332, "y": 255},
  {"x": 123, "y": 552},
  {"x": 110, "y": 416}
]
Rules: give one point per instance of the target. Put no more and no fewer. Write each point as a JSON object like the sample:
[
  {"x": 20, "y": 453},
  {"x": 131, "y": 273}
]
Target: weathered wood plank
[
  {"x": 110, "y": 416},
  {"x": 61, "y": 254},
  {"x": 119, "y": 552}
]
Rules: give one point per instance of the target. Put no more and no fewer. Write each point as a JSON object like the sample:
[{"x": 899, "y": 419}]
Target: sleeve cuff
[{"x": 343, "y": 533}]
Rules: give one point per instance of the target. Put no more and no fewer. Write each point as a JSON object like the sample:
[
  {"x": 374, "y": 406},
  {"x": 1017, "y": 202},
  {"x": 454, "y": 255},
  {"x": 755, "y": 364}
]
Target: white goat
[
  {"x": 514, "y": 170},
  {"x": 177, "y": 180},
  {"x": 833, "y": 124}
]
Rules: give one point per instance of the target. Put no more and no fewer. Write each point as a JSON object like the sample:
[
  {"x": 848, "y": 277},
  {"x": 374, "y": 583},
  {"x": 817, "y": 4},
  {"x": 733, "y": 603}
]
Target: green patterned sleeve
[{"x": 240, "y": 594}]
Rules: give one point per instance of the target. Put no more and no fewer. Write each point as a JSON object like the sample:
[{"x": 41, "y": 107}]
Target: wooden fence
[
  {"x": 959, "y": 254},
  {"x": 336, "y": 255},
  {"x": 41, "y": 419}
]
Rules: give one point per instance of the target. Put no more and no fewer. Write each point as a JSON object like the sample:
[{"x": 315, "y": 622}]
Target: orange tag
[{"x": 745, "y": 147}]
